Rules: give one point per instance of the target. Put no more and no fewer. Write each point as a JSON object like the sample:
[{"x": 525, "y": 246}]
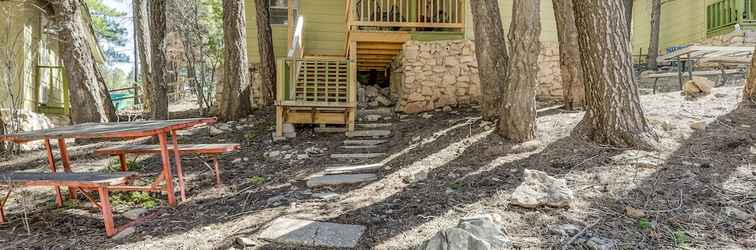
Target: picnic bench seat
[
  {"x": 102, "y": 182},
  {"x": 202, "y": 149}
]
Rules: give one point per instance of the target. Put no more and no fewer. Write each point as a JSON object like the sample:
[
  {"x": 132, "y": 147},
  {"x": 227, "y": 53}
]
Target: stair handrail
[{"x": 296, "y": 49}]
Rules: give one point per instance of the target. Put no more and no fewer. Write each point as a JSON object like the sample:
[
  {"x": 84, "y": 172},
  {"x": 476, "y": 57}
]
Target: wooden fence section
[{"x": 408, "y": 13}]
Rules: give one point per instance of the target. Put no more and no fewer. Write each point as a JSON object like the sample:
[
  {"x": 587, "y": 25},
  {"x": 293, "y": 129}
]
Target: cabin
[
  {"x": 329, "y": 50},
  {"x": 36, "y": 82},
  {"x": 686, "y": 22}
]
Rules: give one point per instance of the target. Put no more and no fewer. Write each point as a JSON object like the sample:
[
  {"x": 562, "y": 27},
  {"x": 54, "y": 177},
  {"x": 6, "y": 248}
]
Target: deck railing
[{"x": 408, "y": 13}]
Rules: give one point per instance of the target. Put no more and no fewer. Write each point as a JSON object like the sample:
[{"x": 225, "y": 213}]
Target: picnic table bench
[
  {"x": 202, "y": 149},
  {"x": 101, "y": 182},
  {"x": 98, "y": 181}
]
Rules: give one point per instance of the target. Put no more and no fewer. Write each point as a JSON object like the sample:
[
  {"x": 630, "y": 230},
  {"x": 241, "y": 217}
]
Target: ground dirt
[{"x": 684, "y": 188}]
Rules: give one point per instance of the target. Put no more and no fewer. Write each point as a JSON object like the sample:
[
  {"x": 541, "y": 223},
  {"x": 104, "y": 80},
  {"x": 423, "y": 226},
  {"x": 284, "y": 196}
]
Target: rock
[
  {"x": 699, "y": 86},
  {"x": 237, "y": 160},
  {"x": 566, "y": 230},
  {"x": 289, "y": 131},
  {"x": 274, "y": 154},
  {"x": 371, "y": 91},
  {"x": 123, "y": 234},
  {"x": 302, "y": 157},
  {"x": 539, "y": 189},
  {"x": 276, "y": 200},
  {"x": 357, "y": 156},
  {"x": 246, "y": 242},
  {"x": 382, "y": 100},
  {"x": 472, "y": 233},
  {"x": 326, "y": 195},
  {"x": 525, "y": 147},
  {"x": 634, "y": 212},
  {"x": 135, "y": 214},
  {"x": 214, "y": 130},
  {"x": 699, "y": 125},
  {"x": 312, "y": 233},
  {"x": 426, "y": 115},
  {"x": 420, "y": 176},
  {"x": 598, "y": 243},
  {"x": 327, "y": 180},
  {"x": 736, "y": 213},
  {"x": 447, "y": 109},
  {"x": 373, "y": 118}
]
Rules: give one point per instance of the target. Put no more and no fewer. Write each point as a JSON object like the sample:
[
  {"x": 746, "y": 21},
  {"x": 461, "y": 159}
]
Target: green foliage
[
  {"x": 456, "y": 185},
  {"x": 644, "y": 224},
  {"x": 108, "y": 25},
  {"x": 257, "y": 180},
  {"x": 680, "y": 237},
  {"x": 129, "y": 199},
  {"x": 115, "y": 166}
]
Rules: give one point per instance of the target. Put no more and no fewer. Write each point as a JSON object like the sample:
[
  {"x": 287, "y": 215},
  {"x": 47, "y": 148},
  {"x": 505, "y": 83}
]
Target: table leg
[
  {"x": 218, "y": 182},
  {"x": 122, "y": 160},
  {"x": 53, "y": 169},
  {"x": 2, "y": 206},
  {"x": 179, "y": 171},
  {"x": 66, "y": 165},
  {"x": 107, "y": 211},
  {"x": 167, "y": 169}
]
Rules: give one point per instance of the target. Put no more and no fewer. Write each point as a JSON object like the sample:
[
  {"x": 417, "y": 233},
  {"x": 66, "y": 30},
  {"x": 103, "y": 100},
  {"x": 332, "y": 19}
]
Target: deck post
[
  {"x": 107, "y": 211},
  {"x": 167, "y": 169},
  {"x": 2, "y": 206},
  {"x": 53, "y": 169},
  {"x": 179, "y": 170}
]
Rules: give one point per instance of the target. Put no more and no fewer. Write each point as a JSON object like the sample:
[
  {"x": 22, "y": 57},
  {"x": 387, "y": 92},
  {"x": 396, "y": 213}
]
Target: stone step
[
  {"x": 374, "y": 125},
  {"x": 331, "y": 180},
  {"x": 360, "y": 147},
  {"x": 313, "y": 233},
  {"x": 369, "y": 168},
  {"x": 330, "y": 130},
  {"x": 369, "y": 133},
  {"x": 364, "y": 142},
  {"x": 357, "y": 156}
]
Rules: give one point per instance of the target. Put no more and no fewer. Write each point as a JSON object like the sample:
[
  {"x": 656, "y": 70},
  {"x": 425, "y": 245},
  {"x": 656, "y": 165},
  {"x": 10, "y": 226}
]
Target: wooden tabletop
[
  {"x": 108, "y": 130},
  {"x": 63, "y": 179}
]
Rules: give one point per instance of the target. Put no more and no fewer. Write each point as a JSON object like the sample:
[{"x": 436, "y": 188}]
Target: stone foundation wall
[{"x": 431, "y": 75}]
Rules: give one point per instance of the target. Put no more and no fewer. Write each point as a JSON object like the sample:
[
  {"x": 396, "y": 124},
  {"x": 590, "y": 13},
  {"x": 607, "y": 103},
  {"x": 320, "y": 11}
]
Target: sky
[{"x": 126, "y": 22}]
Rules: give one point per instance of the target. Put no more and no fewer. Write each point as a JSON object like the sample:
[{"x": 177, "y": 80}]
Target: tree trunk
[
  {"x": 749, "y": 92},
  {"x": 518, "y": 115},
  {"x": 142, "y": 39},
  {"x": 569, "y": 55},
  {"x": 236, "y": 70},
  {"x": 613, "y": 111},
  {"x": 267, "y": 56},
  {"x": 491, "y": 53},
  {"x": 90, "y": 99},
  {"x": 159, "y": 59},
  {"x": 653, "y": 45},
  {"x": 629, "y": 15}
]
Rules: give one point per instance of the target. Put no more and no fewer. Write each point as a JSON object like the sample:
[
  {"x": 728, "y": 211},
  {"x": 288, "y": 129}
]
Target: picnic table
[{"x": 103, "y": 183}]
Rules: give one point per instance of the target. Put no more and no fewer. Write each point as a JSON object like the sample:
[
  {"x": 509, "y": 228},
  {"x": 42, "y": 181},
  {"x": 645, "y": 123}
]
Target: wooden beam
[
  {"x": 363, "y": 56},
  {"x": 393, "y": 37},
  {"x": 379, "y": 45},
  {"x": 379, "y": 51},
  {"x": 410, "y": 24}
]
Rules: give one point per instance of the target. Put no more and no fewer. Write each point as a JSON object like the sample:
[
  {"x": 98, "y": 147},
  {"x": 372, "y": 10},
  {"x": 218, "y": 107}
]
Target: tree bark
[
  {"x": 491, "y": 53},
  {"x": 142, "y": 39},
  {"x": 749, "y": 92},
  {"x": 569, "y": 55},
  {"x": 90, "y": 99},
  {"x": 517, "y": 121},
  {"x": 159, "y": 59},
  {"x": 613, "y": 111},
  {"x": 653, "y": 45},
  {"x": 629, "y": 15},
  {"x": 236, "y": 70},
  {"x": 267, "y": 56}
]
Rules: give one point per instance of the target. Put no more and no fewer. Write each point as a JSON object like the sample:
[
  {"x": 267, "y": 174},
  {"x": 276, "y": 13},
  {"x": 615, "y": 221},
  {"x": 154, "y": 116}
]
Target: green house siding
[
  {"x": 23, "y": 30},
  {"x": 682, "y": 22},
  {"x": 548, "y": 23},
  {"x": 324, "y": 32}
]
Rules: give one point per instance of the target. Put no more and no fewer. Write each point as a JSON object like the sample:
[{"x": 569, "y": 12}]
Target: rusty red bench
[
  {"x": 213, "y": 150},
  {"x": 103, "y": 183}
]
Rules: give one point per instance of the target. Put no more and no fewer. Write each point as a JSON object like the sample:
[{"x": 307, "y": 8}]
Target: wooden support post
[
  {"x": 107, "y": 211},
  {"x": 177, "y": 159},
  {"x": 2, "y": 206},
  {"x": 53, "y": 170},
  {"x": 679, "y": 72},
  {"x": 167, "y": 169},
  {"x": 122, "y": 160},
  {"x": 66, "y": 165}
]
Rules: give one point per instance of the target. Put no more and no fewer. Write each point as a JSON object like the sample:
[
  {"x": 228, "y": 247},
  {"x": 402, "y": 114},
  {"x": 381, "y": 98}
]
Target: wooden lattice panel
[{"x": 322, "y": 81}]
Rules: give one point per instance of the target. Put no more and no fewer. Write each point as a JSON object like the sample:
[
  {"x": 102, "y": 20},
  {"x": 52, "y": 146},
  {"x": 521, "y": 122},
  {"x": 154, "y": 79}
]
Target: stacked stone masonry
[{"x": 431, "y": 75}]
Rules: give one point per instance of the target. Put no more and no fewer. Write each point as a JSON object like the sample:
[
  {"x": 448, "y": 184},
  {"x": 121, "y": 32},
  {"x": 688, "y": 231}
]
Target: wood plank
[
  {"x": 183, "y": 148},
  {"x": 378, "y": 51},
  {"x": 379, "y": 45},
  {"x": 367, "y": 36},
  {"x": 87, "y": 180}
]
